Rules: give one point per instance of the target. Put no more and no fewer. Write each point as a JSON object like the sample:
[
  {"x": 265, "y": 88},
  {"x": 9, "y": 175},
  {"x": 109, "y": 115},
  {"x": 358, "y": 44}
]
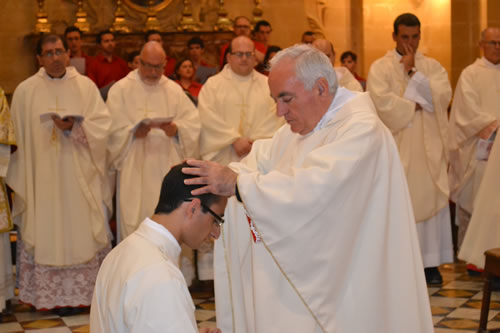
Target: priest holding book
[
  {"x": 155, "y": 126},
  {"x": 57, "y": 174}
]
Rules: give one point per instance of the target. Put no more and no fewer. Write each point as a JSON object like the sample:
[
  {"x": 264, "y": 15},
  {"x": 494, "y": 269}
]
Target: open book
[
  {"x": 153, "y": 122},
  {"x": 484, "y": 147},
  {"x": 47, "y": 117}
]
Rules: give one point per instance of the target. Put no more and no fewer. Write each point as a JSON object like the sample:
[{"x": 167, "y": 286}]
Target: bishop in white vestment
[
  {"x": 145, "y": 100},
  {"x": 413, "y": 104},
  {"x": 475, "y": 114},
  {"x": 325, "y": 230},
  {"x": 57, "y": 174}
]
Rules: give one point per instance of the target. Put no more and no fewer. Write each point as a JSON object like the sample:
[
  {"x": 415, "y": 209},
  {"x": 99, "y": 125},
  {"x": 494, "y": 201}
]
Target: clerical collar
[
  {"x": 489, "y": 63},
  {"x": 55, "y": 78},
  {"x": 342, "y": 96},
  {"x": 237, "y": 76},
  {"x": 163, "y": 231}
]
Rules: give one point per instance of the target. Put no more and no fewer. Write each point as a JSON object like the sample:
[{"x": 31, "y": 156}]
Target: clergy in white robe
[
  {"x": 235, "y": 107},
  {"x": 344, "y": 76},
  {"x": 483, "y": 232},
  {"x": 325, "y": 230},
  {"x": 411, "y": 93},
  {"x": 474, "y": 116},
  {"x": 143, "y": 150},
  {"x": 139, "y": 287},
  {"x": 7, "y": 139},
  {"x": 57, "y": 174}
]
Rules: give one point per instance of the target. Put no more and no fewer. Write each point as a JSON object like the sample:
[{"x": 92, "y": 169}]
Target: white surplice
[
  {"x": 233, "y": 106},
  {"x": 335, "y": 228},
  {"x": 140, "y": 288},
  {"x": 422, "y": 140},
  {"x": 483, "y": 232},
  {"x": 142, "y": 163},
  {"x": 347, "y": 80},
  {"x": 475, "y": 106}
]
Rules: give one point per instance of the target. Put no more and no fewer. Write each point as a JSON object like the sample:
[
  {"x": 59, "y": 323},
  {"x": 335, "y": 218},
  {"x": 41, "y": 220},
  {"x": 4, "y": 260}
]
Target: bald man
[
  {"x": 344, "y": 77},
  {"x": 474, "y": 117},
  {"x": 155, "y": 126}
]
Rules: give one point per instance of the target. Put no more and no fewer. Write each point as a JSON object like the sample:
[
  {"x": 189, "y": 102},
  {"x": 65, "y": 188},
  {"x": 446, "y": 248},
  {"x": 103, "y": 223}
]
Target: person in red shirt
[
  {"x": 78, "y": 59},
  {"x": 184, "y": 72},
  {"x": 203, "y": 70},
  {"x": 262, "y": 32},
  {"x": 106, "y": 68},
  {"x": 349, "y": 60},
  {"x": 155, "y": 35}
]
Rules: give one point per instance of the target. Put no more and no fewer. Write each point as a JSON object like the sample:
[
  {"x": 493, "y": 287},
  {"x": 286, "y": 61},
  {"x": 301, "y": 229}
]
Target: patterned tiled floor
[{"x": 455, "y": 309}]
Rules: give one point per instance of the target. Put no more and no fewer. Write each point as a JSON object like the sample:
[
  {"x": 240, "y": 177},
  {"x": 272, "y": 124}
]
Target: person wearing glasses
[
  {"x": 243, "y": 27},
  {"x": 319, "y": 227},
  {"x": 155, "y": 126},
  {"x": 106, "y": 68},
  {"x": 57, "y": 174},
  {"x": 475, "y": 114},
  {"x": 411, "y": 93},
  {"x": 139, "y": 287}
]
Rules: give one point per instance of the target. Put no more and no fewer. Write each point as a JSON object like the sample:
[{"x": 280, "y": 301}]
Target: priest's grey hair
[{"x": 310, "y": 65}]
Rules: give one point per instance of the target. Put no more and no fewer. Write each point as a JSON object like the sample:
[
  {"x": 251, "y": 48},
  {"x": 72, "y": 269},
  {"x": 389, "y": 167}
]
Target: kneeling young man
[{"x": 139, "y": 287}]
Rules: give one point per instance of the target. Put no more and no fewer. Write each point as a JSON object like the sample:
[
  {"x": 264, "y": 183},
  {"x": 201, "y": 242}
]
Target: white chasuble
[
  {"x": 143, "y": 162},
  {"x": 483, "y": 232},
  {"x": 476, "y": 104},
  {"x": 58, "y": 176},
  {"x": 334, "y": 234},
  {"x": 421, "y": 136},
  {"x": 233, "y": 106}
]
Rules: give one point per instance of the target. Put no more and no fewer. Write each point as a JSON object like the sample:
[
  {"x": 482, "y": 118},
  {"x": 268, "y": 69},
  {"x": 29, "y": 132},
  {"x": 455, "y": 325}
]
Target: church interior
[{"x": 450, "y": 33}]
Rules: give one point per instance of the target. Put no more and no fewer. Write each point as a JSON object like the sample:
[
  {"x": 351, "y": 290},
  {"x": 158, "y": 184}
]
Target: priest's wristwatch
[{"x": 412, "y": 70}]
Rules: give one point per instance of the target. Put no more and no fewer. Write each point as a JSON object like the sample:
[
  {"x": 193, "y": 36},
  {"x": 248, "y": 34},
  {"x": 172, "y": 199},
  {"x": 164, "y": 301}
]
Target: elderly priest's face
[
  {"x": 54, "y": 58},
  {"x": 151, "y": 63}
]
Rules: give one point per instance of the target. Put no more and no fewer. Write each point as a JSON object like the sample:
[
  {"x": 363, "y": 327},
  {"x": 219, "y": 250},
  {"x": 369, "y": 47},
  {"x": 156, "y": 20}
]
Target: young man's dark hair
[
  {"x": 348, "y": 54},
  {"x": 406, "y": 19},
  {"x": 72, "y": 28},
  {"x": 131, "y": 56},
  {"x": 50, "y": 38},
  {"x": 196, "y": 41},
  {"x": 174, "y": 192},
  {"x": 102, "y": 33},
  {"x": 261, "y": 23},
  {"x": 149, "y": 33}
]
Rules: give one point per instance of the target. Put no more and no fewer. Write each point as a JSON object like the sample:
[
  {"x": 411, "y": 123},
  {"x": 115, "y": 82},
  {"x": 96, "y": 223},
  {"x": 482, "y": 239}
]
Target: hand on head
[{"x": 219, "y": 179}]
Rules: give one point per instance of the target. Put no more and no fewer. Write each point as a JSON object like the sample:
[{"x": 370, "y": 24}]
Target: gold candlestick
[
  {"x": 119, "y": 24},
  {"x": 81, "y": 18},
  {"x": 187, "y": 22},
  {"x": 257, "y": 11},
  {"x": 223, "y": 22},
  {"x": 152, "y": 22},
  {"x": 42, "y": 21}
]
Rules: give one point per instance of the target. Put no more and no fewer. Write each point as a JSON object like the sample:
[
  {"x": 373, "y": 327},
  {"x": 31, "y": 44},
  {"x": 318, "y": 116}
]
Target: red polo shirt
[
  {"x": 194, "y": 88},
  {"x": 169, "y": 67},
  {"x": 103, "y": 72}
]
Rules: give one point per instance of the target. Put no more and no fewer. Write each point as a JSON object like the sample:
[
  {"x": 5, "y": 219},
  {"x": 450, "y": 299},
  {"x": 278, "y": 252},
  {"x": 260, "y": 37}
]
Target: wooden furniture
[{"x": 491, "y": 269}]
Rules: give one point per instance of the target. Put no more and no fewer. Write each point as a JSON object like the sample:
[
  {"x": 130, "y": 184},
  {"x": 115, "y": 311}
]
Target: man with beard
[{"x": 155, "y": 126}]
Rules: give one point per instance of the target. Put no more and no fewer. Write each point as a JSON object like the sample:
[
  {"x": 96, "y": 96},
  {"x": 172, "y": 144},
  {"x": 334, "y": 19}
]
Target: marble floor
[{"x": 455, "y": 309}]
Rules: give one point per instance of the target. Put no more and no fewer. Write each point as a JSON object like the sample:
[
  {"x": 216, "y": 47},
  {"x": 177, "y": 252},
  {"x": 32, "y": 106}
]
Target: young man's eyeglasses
[{"x": 219, "y": 220}]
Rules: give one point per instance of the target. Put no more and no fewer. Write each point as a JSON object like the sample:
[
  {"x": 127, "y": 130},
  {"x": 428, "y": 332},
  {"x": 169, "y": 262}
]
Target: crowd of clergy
[{"x": 88, "y": 140}]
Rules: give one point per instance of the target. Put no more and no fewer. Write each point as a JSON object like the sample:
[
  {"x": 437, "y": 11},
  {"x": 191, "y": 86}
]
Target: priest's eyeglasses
[
  {"x": 219, "y": 220},
  {"x": 493, "y": 43},
  {"x": 151, "y": 66},
  {"x": 242, "y": 54},
  {"x": 52, "y": 53}
]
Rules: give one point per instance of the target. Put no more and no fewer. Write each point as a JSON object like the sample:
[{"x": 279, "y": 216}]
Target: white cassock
[
  {"x": 347, "y": 80},
  {"x": 483, "y": 232},
  {"x": 58, "y": 179},
  {"x": 475, "y": 106},
  {"x": 140, "y": 288},
  {"x": 422, "y": 140},
  {"x": 335, "y": 233},
  {"x": 233, "y": 106},
  {"x": 142, "y": 163}
]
